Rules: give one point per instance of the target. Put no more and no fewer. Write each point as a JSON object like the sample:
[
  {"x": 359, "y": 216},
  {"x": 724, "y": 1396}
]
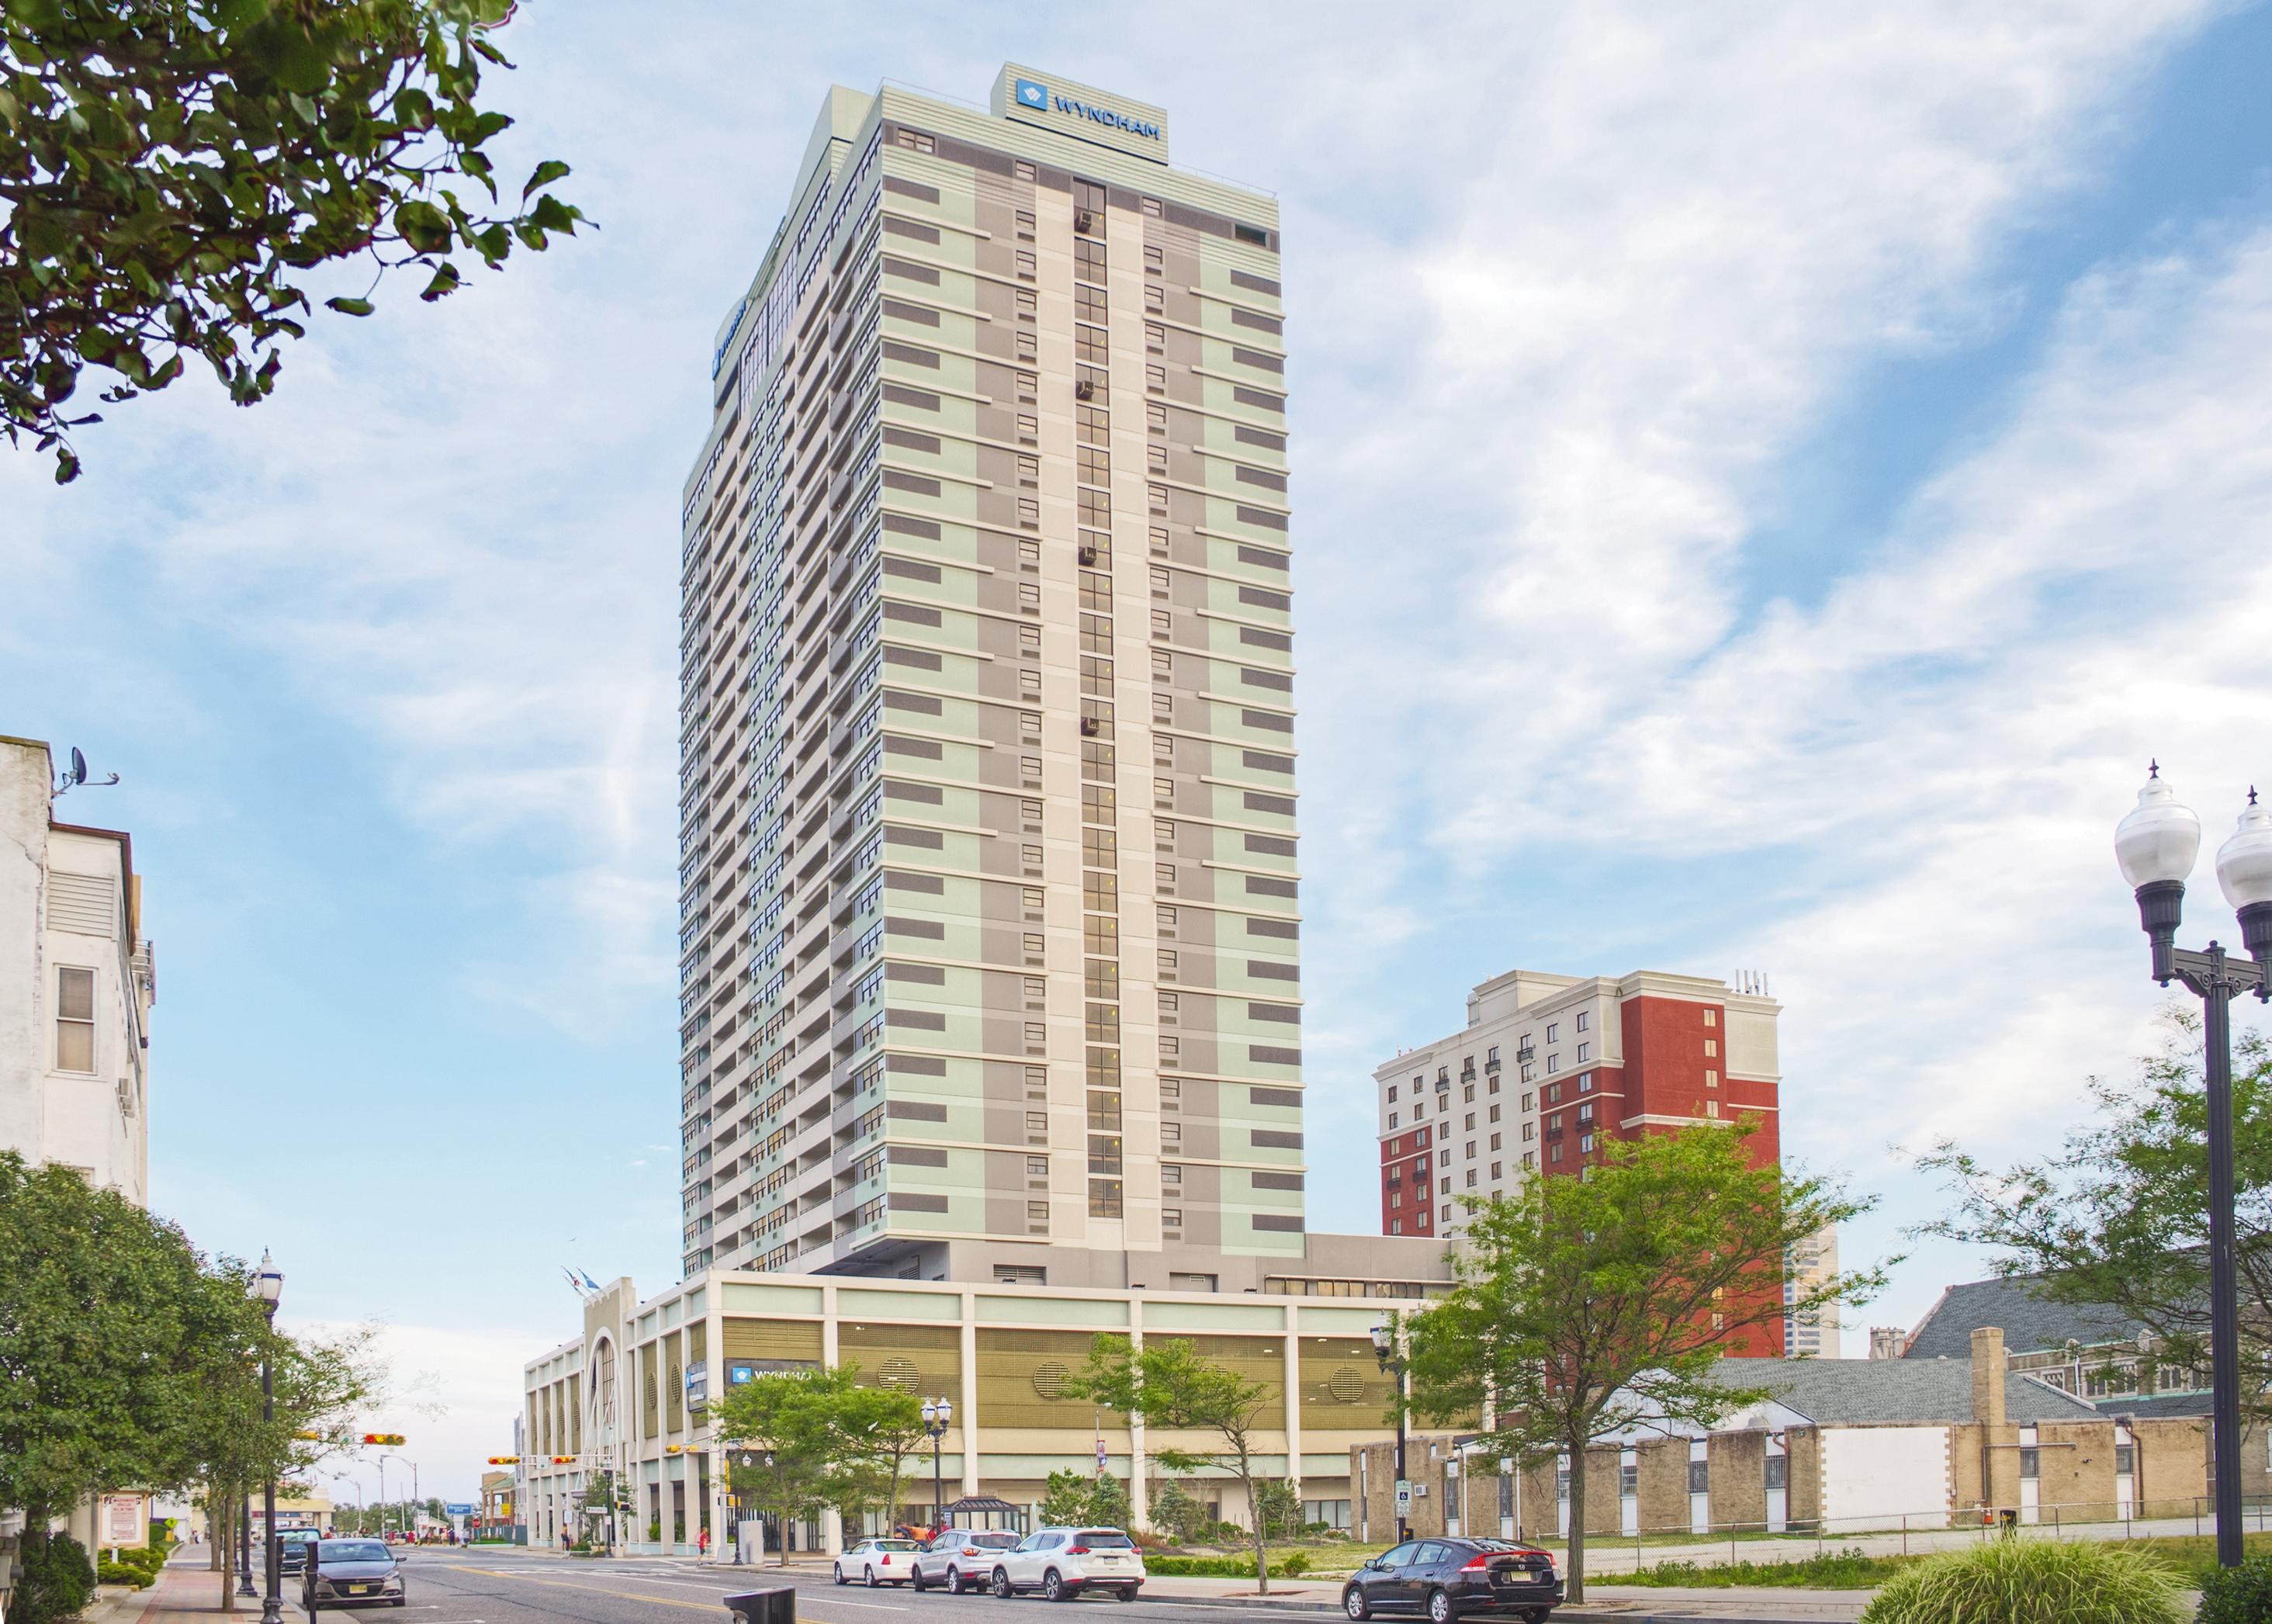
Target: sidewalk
[{"x": 184, "y": 1591}]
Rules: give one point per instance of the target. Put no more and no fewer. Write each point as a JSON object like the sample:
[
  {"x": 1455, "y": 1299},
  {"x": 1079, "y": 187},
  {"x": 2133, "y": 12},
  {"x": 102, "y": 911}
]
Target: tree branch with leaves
[
  {"x": 1587, "y": 1306},
  {"x": 2119, "y": 1219},
  {"x": 171, "y": 169},
  {"x": 1169, "y": 1386}
]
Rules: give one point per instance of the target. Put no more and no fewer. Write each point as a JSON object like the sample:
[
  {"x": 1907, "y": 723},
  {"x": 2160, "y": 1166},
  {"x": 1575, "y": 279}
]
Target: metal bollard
[{"x": 776, "y": 1605}]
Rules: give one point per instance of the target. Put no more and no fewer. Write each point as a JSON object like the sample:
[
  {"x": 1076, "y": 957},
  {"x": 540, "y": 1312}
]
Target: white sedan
[{"x": 877, "y": 1562}]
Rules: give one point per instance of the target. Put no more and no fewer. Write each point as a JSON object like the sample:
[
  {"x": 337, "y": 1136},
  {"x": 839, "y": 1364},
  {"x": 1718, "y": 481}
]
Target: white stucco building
[{"x": 77, "y": 982}]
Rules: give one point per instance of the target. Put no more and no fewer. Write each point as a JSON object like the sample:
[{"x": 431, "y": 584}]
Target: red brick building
[{"x": 1550, "y": 1066}]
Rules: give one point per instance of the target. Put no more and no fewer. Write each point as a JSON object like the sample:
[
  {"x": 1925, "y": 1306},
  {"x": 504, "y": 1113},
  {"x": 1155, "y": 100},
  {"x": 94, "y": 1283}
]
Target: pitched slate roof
[
  {"x": 2030, "y": 1322},
  {"x": 1834, "y": 1392},
  {"x": 2157, "y": 1404}
]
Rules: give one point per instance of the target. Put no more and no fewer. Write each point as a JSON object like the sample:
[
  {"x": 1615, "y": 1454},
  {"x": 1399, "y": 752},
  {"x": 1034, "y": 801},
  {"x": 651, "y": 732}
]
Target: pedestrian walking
[{"x": 702, "y": 1544}]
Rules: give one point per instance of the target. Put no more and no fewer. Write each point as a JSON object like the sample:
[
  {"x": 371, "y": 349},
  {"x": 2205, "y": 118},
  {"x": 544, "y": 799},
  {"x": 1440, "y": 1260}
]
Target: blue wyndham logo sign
[{"x": 1035, "y": 95}]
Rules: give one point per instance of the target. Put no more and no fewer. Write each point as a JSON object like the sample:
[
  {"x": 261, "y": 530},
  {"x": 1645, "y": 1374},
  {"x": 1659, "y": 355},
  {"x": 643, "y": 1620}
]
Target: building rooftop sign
[{"x": 1082, "y": 111}]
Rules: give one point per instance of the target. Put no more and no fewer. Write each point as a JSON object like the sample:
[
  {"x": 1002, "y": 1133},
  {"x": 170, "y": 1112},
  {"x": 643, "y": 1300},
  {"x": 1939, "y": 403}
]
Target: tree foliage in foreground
[
  {"x": 1170, "y": 1385},
  {"x": 1584, "y": 1307},
  {"x": 171, "y": 170},
  {"x": 818, "y": 1438},
  {"x": 127, "y": 1359},
  {"x": 2119, "y": 1218}
]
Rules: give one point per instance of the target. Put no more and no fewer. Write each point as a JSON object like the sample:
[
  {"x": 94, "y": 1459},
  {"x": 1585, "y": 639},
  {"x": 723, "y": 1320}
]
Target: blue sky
[{"x": 1765, "y": 484}]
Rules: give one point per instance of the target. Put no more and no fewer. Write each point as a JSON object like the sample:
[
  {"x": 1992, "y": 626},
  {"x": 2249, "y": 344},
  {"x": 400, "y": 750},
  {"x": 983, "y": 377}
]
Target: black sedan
[
  {"x": 347, "y": 1573},
  {"x": 1449, "y": 1579}
]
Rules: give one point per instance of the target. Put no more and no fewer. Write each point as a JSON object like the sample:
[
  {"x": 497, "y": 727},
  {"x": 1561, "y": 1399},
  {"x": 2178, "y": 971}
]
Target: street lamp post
[
  {"x": 2155, "y": 846},
  {"x": 268, "y": 1287},
  {"x": 1391, "y": 1359},
  {"x": 938, "y": 1415}
]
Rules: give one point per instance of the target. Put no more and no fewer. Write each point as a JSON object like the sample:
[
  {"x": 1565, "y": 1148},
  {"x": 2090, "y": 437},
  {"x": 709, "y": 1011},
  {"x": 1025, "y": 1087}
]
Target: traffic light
[
  {"x": 390, "y": 1440},
  {"x": 308, "y": 1437},
  {"x": 505, "y": 1460},
  {"x": 564, "y": 1460}
]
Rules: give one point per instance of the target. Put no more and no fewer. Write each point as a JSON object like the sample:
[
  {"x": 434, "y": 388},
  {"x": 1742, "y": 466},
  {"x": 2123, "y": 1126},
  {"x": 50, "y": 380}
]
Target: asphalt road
[{"x": 497, "y": 1587}]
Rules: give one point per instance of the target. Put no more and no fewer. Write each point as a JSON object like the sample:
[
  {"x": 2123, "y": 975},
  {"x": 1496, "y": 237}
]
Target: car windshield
[
  {"x": 355, "y": 1550},
  {"x": 1102, "y": 1539}
]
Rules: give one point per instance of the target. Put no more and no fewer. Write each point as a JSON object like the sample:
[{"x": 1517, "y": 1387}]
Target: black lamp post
[
  {"x": 2155, "y": 846},
  {"x": 268, "y": 1286},
  {"x": 1391, "y": 1359},
  {"x": 938, "y": 1415}
]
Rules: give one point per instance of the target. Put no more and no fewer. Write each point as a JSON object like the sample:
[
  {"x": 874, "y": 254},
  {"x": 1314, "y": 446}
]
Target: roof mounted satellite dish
[{"x": 75, "y": 774}]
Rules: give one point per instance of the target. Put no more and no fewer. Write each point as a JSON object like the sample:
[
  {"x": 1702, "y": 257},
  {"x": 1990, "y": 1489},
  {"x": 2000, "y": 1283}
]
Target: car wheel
[
  {"x": 838, "y": 1571},
  {"x": 1001, "y": 1583},
  {"x": 1441, "y": 1610},
  {"x": 400, "y": 1601},
  {"x": 868, "y": 1577},
  {"x": 955, "y": 1580},
  {"x": 1355, "y": 1604},
  {"x": 916, "y": 1581},
  {"x": 1054, "y": 1587},
  {"x": 1126, "y": 1592}
]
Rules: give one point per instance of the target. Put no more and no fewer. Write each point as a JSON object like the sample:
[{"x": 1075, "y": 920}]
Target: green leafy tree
[
  {"x": 1174, "y": 1512},
  {"x": 784, "y": 1454},
  {"x": 170, "y": 171},
  {"x": 1586, "y": 1306},
  {"x": 1065, "y": 1499},
  {"x": 115, "y": 1335},
  {"x": 321, "y": 1384},
  {"x": 1282, "y": 1508},
  {"x": 1107, "y": 1501},
  {"x": 1173, "y": 1387},
  {"x": 878, "y": 1429},
  {"x": 2119, "y": 1218}
]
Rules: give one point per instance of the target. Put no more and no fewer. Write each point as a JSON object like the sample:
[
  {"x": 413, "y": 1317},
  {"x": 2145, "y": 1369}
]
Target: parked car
[
  {"x": 345, "y": 1572},
  {"x": 961, "y": 1558},
  {"x": 292, "y": 1548},
  {"x": 878, "y": 1560},
  {"x": 1449, "y": 1579},
  {"x": 1061, "y": 1562}
]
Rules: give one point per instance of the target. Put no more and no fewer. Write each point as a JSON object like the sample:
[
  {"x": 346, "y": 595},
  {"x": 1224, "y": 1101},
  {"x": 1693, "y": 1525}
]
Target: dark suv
[{"x": 1449, "y": 1579}]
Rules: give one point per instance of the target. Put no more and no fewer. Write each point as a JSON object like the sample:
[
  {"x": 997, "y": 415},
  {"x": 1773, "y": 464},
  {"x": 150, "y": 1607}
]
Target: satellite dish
[{"x": 75, "y": 776}]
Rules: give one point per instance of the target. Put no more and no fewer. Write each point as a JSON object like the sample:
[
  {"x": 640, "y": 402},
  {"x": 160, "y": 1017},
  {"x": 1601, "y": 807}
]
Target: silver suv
[
  {"x": 961, "y": 1558},
  {"x": 1061, "y": 1562}
]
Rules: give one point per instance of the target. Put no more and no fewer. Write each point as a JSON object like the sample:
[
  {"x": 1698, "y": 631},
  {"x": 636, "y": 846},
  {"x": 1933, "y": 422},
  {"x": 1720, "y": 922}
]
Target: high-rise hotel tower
[{"x": 988, "y": 879}]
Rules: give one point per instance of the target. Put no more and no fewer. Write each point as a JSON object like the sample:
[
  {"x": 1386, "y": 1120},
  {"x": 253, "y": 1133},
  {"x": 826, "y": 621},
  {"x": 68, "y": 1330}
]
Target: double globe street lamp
[
  {"x": 938, "y": 1415},
  {"x": 2156, "y": 845}
]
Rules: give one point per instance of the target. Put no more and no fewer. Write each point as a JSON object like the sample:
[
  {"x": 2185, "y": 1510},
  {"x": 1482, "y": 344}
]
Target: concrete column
[
  {"x": 832, "y": 1524},
  {"x": 966, "y": 1414},
  {"x": 1139, "y": 1502},
  {"x": 1293, "y": 1357}
]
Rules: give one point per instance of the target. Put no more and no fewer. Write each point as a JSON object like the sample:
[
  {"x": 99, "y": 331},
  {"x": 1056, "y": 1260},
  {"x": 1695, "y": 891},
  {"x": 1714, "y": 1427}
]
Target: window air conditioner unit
[
  {"x": 1088, "y": 727},
  {"x": 1088, "y": 555},
  {"x": 1084, "y": 221},
  {"x": 1084, "y": 390}
]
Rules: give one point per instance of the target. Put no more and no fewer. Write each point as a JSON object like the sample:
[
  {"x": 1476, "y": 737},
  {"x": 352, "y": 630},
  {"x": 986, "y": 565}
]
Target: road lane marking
[{"x": 561, "y": 1584}]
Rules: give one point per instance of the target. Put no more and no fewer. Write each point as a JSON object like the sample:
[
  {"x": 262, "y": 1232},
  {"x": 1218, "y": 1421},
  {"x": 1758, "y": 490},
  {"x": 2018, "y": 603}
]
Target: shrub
[
  {"x": 2241, "y": 1595},
  {"x": 1294, "y": 1566},
  {"x": 2032, "y": 1581},
  {"x": 125, "y": 1573},
  {"x": 56, "y": 1581}
]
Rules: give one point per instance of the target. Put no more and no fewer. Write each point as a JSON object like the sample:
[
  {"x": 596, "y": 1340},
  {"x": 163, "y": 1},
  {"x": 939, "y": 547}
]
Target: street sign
[
  {"x": 1403, "y": 1497},
  {"x": 458, "y": 1510}
]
